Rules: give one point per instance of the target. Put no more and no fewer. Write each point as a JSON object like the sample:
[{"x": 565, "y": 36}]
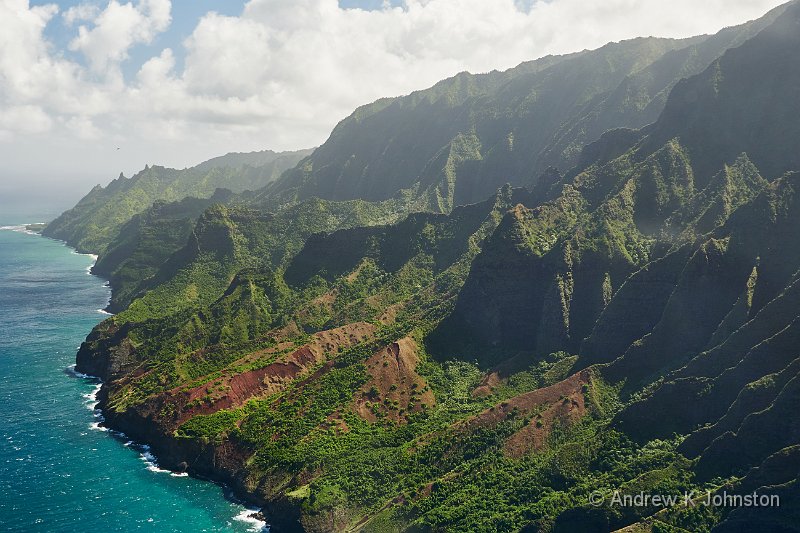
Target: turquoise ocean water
[{"x": 58, "y": 470}]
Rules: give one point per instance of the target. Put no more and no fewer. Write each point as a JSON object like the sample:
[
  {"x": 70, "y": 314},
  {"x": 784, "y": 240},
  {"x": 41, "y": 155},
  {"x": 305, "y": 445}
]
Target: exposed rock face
[
  {"x": 237, "y": 388},
  {"x": 562, "y": 410},
  {"x": 393, "y": 376},
  {"x": 330, "y": 376},
  {"x": 106, "y": 353},
  {"x": 155, "y": 421}
]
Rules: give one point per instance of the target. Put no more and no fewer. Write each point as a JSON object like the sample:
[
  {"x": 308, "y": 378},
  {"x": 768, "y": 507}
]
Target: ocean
[{"x": 59, "y": 471}]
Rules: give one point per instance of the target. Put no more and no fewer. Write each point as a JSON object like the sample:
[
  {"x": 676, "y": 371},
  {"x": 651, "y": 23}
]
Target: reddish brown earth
[
  {"x": 393, "y": 374},
  {"x": 230, "y": 391},
  {"x": 562, "y": 403}
]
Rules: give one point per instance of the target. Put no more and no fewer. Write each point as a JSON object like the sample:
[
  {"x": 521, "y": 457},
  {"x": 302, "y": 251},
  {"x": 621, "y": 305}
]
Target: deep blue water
[{"x": 58, "y": 470}]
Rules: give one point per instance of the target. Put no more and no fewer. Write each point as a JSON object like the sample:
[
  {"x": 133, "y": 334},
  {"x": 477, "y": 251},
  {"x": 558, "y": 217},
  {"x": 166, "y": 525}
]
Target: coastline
[
  {"x": 253, "y": 512},
  {"x": 222, "y": 466},
  {"x": 164, "y": 453},
  {"x": 25, "y": 228},
  {"x": 154, "y": 455},
  {"x": 252, "y": 515}
]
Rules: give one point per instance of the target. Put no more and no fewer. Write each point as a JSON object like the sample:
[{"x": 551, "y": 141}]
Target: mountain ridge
[
  {"x": 93, "y": 223},
  {"x": 623, "y": 325}
]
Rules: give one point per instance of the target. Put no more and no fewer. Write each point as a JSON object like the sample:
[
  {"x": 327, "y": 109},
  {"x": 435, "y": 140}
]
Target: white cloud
[
  {"x": 228, "y": 57},
  {"x": 24, "y": 119},
  {"x": 83, "y": 128},
  {"x": 281, "y": 74},
  {"x": 118, "y": 27},
  {"x": 25, "y": 62},
  {"x": 80, "y": 12}
]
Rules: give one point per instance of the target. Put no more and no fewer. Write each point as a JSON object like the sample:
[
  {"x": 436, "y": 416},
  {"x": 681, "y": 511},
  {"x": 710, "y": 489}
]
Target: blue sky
[
  {"x": 175, "y": 82},
  {"x": 185, "y": 16}
]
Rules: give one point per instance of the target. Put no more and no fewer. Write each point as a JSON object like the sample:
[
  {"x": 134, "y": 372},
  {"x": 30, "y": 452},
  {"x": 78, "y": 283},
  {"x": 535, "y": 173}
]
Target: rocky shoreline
[{"x": 223, "y": 464}]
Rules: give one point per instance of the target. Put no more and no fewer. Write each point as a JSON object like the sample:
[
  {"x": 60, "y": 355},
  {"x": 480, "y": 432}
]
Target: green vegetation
[
  {"x": 629, "y": 326},
  {"x": 470, "y": 134},
  {"x": 95, "y": 221}
]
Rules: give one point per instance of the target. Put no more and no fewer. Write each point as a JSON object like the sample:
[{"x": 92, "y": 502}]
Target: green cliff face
[
  {"x": 471, "y": 134},
  {"x": 95, "y": 221},
  {"x": 630, "y": 324},
  {"x": 146, "y": 241}
]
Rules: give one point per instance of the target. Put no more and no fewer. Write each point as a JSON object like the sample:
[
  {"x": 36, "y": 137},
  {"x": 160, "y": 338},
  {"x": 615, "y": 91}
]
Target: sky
[{"x": 92, "y": 88}]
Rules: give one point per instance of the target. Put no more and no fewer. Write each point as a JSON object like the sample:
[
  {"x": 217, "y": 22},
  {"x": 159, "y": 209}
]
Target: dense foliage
[{"x": 628, "y": 326}]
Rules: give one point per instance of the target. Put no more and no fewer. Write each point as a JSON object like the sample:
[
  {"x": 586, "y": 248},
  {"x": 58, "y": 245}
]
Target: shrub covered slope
[{"x": 403, "y": 343}]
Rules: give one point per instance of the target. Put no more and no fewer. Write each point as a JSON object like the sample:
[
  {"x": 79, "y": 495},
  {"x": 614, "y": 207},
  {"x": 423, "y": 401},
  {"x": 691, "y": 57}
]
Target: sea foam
[
  {"x": 256, "y": 525},
  {"x": 71, "y": 370},
  {"x": 21, "y": 228},
  {"x": 150, "y": 460},
  {"x": 91, "y": 402},
  {"x": 145, "y": 453}
]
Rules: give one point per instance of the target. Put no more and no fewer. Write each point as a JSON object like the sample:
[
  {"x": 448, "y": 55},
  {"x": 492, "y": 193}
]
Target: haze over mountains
[
  {"x": 97, "y": 217},
  {"x": 476, "y": 305}
]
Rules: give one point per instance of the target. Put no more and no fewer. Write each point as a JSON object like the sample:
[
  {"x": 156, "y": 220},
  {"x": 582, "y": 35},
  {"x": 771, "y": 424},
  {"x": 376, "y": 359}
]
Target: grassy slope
[
  {"x": 329, "y": 375},
  {"x": 346, "y": 449}
]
